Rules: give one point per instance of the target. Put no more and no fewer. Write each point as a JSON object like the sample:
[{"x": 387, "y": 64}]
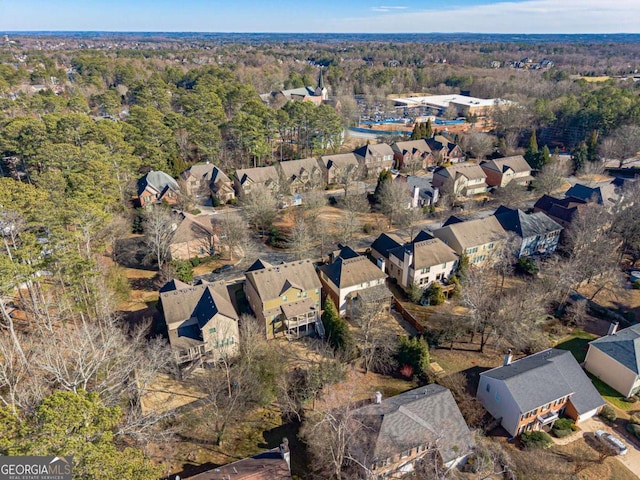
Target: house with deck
[
  {"x": 465, "y": 179},
  {"x": 478, "y": 239},
  {"x": 285, "y": 298},
  {"x": 537, "y": 233}
]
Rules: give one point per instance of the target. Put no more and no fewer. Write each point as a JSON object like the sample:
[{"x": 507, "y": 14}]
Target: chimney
[
  {"x": 406, "y": 266},
  {"x": 507, "y": 358},
  {"x": 285, "y": 453},
  {"x": 416, "y": 197},
  {"x": 613, "y": 328},
  {"x": 377, "y": 398}
]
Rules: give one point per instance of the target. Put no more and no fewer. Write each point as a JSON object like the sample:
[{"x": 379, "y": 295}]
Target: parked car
[
  {"x": 223, "y": 268},
  {"x": 612, "y": 442}
]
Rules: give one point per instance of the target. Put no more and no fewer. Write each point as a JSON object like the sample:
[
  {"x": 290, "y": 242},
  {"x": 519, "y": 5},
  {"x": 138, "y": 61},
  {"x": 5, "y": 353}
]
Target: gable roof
[
  {"x": 192, "y": 227},
  {"x": 349, "y": 269},
  {"x": 561, "y": 208},
  {"x": 623, "y": 346},
  {"x": 269, "y": 281},
  {"x": 517, "y": 163},
  {"x": 474, "y": 232},
  {"x": 412, "y": 146},
  {"x": 470, "y": 171},
  {"x": 257, "y": 175},
  {"x": 602, "y": 193},
  {"x": 439, "y": 142},
  {"x": 293, "y": 168},
  {"x": 374, "y": 149},
  {"x": 268, "y": 465},
  {"x": 386, "y": 242},
  {"x": 423, "y": 416},
  {"x": 172, "y": 285},
  {"x": 201, "y": 301},
  {"x": 525, "y": 225},
  {"x": 158, "y": 181},
  {"x": 339, "y": 160},
  {"x": 426, "y": 253},
  {"x": 259, "y": 264},
  {"x": 545, "y": 377}
]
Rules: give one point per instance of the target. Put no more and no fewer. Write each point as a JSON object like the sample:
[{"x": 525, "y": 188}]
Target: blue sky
[{"x": 421, "y": 16}]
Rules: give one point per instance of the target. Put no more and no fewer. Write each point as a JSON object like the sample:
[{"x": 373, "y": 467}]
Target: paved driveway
[{"x": 631, "y": 460}]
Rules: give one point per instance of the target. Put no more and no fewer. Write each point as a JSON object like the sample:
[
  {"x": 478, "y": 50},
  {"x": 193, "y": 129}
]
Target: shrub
[
  {"x": 215, "y": 201},
  {"x": 196, "y": 211},
  {"x": 337, "y": 330},
  {"x": 535, "y": 440},
  {"x": 564, "y": 424},
  {"x": 182, "y": 270},
  {"x": 232, "y": 201},
  {"x": 561, "y": 433},
  {"x": 195, "y": 261},
  {"x": 633, "y": 429},
  {"x": 366, "y": 228},
  {"x": 415, "y": 353},
  {"x": 435, "y": 294},
  {"x": 527, "y": 266},
  {"x": 608, "y": 414},
  {"x": 414, "y": 293}
]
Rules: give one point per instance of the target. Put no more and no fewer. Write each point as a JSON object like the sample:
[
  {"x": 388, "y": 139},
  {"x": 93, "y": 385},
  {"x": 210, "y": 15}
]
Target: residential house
[
  {"x": 206, "y": 180},
  {"x": 412, "y": 152},
  {"x": 157, "y": 187},
  {"x": 537, "y": 233},
  {"x": 301, "y": 175},
  {"x": 399, "y": 431},
  {"x": 478, "y": 239},
  {"x": 274, "y": 464},
  {"x": 375, "y": 158},
  {"x": 423, "y": 193},
  {"x": 444, "y": 150},
  {"x": 425, "y": 260},
  {"x": 247, "y": 179},
  {"x": 348, "y": 275},
  {"x": 561, "y": 210},
  {"x": 193, "y": 236},
  {"x": 201, "y": 322},
  {"x": 381, "y": 247},
  {"x": 502, "y": 171},
  {"x": 285, "y": 297},
  {"x": 340, "y": 168},
  {"x": 615, "y": 359},
  {"x": 533, "y": 392},
  {"x": 464, "y": 179},
  {"x": 603, "y": 193}
]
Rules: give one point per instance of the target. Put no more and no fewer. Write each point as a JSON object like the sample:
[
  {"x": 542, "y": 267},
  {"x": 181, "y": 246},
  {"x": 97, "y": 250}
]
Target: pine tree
[
  {"x": 545, "y": 156},
  {"x": 579, "y": 157},
  {"x": 384, "y": 177},
  {"x": 428, "y": 129},
  {"x": 532, "y": 155},
  {"x": 592, "y": 146},
  {"x": 338, "y": 333},
  {"x": 415, "y": 134}
]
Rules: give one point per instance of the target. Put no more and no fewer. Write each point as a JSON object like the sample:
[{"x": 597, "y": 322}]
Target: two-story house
[
  {"x": 463, "y": 179},
  {"x": 393, "y": 434},
  {"x": 248, "y": 178},
  {"x": 285, "y": 297},
  {"x": 207, "y": 180},
  {"x": 537, "y": 233},
  {"x": 375, "y": 158},
  {"x": 533, "y": 392},
  {"x": 422, "y": 191},
  {"x": 201, "y": 322},
  {"x": 412, "y": 152},
  {"x": 301, "y": 175},
  {"x": 340, "y": 168},
  {"x": 193, "y": 236},
  {"x": 478, "y": 239},
  {"x": 157, "y": 187},
  {"x": 444, "y": 150},
  {"x": 348, "y": 275},
  {"x": 425, "y": 260},
  {"x": 561, "y": 210},
  {"x": 615, "y": 359},
  {"x": 502, "y": 171}
]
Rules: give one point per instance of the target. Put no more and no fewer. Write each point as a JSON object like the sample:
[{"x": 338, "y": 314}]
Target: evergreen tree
[
  {"x": 532, "y": 154},
  {"x": 592, "y": 146},
  {"x": 384, "y": 178},
  {"x": 338, "y": 333},
  {"x": 428, "y": 133},
  {"x": 579, "y": 157},
  {"x": 413, "y": 352},
  {"x": 435, "y": 294},
  {"x": 545, "y": 156},
  {"x": 415, "y": 134}
]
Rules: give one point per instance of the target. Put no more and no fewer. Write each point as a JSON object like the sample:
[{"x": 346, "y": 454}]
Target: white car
[{"x": 612, "y": 442}]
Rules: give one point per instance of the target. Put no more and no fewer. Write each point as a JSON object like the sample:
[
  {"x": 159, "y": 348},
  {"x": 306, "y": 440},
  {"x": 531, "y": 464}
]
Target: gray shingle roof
[
  {"x": 340, "y": 160},
  {"x": 257, "y": 175},
  {"x": 386, "y": 242},
  {"x": 293, "y": 168},
  {"x": 422, "y": 416},
  {"x": 525, "y": 225},
  {"x": 426, "y": 253},
  {"x": 352, "y": 270},
  {"x": 475, "y": 232},
  {"x": 602, "y": 193},
  {"x": 270, "y": 281},
  {"x": 157, "y": 180},
  {"x": 517, "y": 163},
  {"x": 545, "y": 377},
  {"x": 623, "y": 346}
]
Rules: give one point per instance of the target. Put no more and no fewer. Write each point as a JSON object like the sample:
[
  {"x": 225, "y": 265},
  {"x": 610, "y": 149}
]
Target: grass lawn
[
  {"x": 610, "y": 395},
  {"x": 577, "y": 343}
]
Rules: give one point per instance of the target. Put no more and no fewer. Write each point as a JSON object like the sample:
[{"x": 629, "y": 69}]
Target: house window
[
  {"x": 304, "y": 294},
  {"x": 488, "y": 387},
  {"x": 490, "y": 246},
  {"x": 497, "y": 397},
  {"x": 425, "y": 270},
  {"x": 284, "y": 298},
  {"x": 317, "y": 291},
  {"x": 212, "y": 330},
  {"x": 298, "y": 295}
]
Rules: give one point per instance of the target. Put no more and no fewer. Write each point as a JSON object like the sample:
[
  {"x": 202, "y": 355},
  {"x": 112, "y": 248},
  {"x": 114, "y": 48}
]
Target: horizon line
[{"x": 4, "y": 32}]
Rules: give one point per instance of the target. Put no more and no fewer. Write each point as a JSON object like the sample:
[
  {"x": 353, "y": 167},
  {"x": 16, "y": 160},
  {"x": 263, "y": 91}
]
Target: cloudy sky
[{"x": 410, "y": 16}]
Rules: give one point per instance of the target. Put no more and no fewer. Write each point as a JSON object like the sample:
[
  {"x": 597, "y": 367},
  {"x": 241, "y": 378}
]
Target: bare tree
[
  {"x": 301, "y": 237},
  {"x": 259, "y": 208},
  {"x": 550, "y": 178},
  {"x": 159, "y": 224},
  {"x": 478, "y": 144},
  {"x": 627, "y": 143},
  {"x": 395, "y": 201},
  {"x": 234, "y": 234}
]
